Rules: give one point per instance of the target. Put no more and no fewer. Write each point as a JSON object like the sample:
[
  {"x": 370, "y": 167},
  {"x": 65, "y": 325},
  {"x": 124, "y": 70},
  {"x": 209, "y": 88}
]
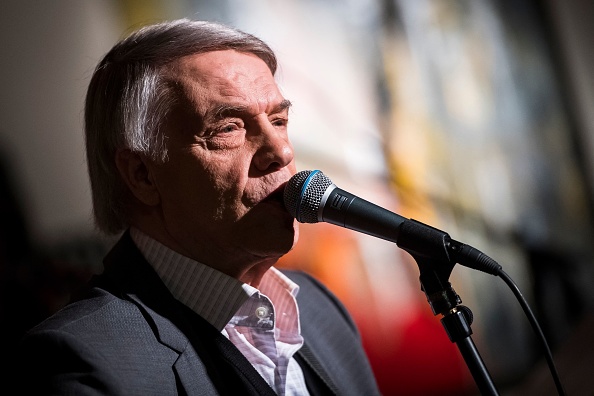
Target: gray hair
[{"x": 129, "y": 97}]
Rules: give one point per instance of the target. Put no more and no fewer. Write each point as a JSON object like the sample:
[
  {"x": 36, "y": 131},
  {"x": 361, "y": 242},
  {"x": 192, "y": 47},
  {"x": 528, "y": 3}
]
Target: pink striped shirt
[{"x": 262, "y": 323}]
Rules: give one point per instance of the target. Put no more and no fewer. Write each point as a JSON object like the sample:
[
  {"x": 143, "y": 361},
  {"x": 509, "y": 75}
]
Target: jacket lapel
[
  {"x": 208, "y": 362},
  {"x": 317, "y": 379},
  {"x": 332, "y": 348}
]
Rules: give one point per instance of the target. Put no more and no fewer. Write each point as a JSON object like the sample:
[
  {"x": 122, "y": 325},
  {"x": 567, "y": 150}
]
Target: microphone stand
[
  {"x": 435, "y": 266},
  {"x": 456, "y": 318}
]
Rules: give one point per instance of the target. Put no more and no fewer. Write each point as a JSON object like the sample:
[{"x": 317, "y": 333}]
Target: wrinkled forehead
[
  {"x": 224, "y": 65},
  {"x": 224, "y": 77}
]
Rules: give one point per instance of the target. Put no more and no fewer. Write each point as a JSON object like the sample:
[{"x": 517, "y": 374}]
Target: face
[{"x": 229, "y": 156}]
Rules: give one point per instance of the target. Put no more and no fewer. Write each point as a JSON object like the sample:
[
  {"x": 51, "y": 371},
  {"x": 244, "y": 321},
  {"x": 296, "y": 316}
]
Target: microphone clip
[{"x": 429, "y": 247}]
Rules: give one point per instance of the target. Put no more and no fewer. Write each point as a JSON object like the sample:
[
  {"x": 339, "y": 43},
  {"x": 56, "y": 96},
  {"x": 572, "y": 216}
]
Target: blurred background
[{"x": 473, "y": 116}]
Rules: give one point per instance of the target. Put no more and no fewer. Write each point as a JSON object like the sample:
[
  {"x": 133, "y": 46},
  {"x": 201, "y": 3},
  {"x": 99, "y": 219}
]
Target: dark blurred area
[{"x": 35, "y": 280}]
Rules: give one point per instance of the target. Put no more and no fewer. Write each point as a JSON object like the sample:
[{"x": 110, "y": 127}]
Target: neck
[
  {"x": 241, "y": 265},
  {"x": 254, "y": 272}
]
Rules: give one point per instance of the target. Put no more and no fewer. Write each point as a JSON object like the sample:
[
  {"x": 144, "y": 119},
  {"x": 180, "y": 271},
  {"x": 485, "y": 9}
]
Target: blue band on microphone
[{"x": 303, "y": 188}]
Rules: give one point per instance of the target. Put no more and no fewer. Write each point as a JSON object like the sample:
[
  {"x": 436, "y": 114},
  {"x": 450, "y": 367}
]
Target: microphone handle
[{"x": 344, "y": 209}]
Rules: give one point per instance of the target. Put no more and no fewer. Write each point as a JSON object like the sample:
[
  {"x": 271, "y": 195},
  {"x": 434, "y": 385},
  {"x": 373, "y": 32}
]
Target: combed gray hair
[{"x": 129, "y": 98}]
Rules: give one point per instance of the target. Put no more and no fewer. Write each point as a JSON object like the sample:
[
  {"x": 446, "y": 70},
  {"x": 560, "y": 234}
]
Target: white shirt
[{"x": 262, "y": 323}]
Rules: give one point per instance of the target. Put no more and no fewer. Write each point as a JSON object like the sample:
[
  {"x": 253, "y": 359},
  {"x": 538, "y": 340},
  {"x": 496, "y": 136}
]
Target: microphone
[{"x": 311, "y": 197}]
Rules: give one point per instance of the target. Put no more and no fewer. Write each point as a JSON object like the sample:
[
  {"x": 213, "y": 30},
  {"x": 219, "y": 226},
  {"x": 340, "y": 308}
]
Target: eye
[
  {"x": 229, "y": 127},
  {"x": 280, "y": 122}
]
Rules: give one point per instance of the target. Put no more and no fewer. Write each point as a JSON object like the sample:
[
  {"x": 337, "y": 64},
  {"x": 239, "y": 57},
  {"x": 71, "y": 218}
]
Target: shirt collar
[{"x": 210, "y": 293}]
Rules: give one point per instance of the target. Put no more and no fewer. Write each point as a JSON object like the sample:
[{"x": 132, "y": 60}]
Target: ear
[{"x": 137, "y": 176}]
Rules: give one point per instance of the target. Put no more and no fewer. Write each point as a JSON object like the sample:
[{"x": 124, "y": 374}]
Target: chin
[
  {"x": 295, "y": 236},
  {"x": 276, "y": 244},
  {"x": 265, "y": 233}
]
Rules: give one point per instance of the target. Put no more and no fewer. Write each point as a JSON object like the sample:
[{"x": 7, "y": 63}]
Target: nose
[{"x": 275, "y": 150}]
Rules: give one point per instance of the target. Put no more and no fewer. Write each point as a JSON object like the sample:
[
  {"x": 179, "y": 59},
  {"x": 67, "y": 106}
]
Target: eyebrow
[{"x": 227, "y": 110}]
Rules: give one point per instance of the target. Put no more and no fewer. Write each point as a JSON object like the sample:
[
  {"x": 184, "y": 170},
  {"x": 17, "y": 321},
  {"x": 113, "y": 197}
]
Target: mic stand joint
[{"x": 435, "y": 266}]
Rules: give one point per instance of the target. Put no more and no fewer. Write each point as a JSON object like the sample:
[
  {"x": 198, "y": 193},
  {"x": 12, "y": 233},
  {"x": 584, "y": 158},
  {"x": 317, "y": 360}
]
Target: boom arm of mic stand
[{"x": 435, "y": 266}]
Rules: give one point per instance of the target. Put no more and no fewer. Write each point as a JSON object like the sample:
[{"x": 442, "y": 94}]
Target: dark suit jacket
[{"x": 129, "y": 336}]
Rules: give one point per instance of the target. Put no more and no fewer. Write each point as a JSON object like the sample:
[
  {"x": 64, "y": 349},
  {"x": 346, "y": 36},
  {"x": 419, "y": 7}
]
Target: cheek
[
  {"x": 205, "y": 183},
  {"x": 179, "y": 182},
  {"x": 221, "y": 189}
]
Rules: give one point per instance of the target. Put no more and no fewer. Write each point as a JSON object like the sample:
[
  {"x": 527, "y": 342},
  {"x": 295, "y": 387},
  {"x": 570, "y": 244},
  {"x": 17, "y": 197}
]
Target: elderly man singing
[{"x": 188, "y": 155}]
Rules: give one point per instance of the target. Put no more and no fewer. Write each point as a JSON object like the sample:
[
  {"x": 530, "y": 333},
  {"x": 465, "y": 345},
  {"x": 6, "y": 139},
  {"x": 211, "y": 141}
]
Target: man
[{"x": 188, "y": 154}]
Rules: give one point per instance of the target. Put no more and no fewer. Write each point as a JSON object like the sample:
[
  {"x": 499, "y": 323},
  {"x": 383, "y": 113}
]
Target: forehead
[{"x": 225, "y": 76}]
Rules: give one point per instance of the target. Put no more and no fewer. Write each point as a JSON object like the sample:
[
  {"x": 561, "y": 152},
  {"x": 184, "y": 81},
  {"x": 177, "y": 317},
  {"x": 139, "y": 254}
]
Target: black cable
[{"x": 536, "y": 327}]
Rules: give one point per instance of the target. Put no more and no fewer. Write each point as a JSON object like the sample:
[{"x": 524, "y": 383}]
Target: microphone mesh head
[{"x": 303, "y": 195}]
